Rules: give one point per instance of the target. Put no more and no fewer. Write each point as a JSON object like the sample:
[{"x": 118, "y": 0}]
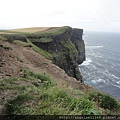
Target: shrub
[
  {"x": 105, "y": 101},
  {"x": 108, "y": 102},
  {"x": 43, "y": 77},
  {"x": 2, "y": 38},
  {"x": 25, "y": 44},
  {"x": 14, "y": 106},
  {"x": 39, "y": 50},
  {"x": 12, "y": 37}
]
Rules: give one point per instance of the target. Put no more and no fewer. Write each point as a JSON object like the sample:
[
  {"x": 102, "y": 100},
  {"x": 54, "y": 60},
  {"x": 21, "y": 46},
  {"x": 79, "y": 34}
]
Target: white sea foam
[
  {"x": 86, "y": 62},
  {"x": 98, "y": 80},
  {"x": 103, "y": 66},
  {"x": 94, "y": 47},
  {"x": 115, "y": 76},
  {"x": 116, "y": 85},
  {"x": 94, "y": 81},
  {"x": 118, "y": 82}
]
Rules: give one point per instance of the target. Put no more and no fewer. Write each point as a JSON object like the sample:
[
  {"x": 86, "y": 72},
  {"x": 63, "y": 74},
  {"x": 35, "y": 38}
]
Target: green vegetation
[
  {"x": 37, "y": 94},
  {"x": 105, "y": 101},
  {"x": 26, "y": 39},
  {"x": 49, "y": 30},
  {"x": 39, "y": 50},
  {"x": 35, "y": 48},
  {"x": 7, "y": 47},
  {"x": 42, "y": 40},
  {"x": 25, "y": 44},
  {"x": 15, "y": 56},
  {"x": 56, "y": 31},
  {"x": 70, "y": 49},
  {"x": 15, "y": 36},
  {"x": 2, "y": 38},
  {"x": 67, "y": 58},
  {"x": 68, "y": 52}
]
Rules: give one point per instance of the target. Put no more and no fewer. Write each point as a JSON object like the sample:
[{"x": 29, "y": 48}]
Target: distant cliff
[{"x": 67, "y": 49}]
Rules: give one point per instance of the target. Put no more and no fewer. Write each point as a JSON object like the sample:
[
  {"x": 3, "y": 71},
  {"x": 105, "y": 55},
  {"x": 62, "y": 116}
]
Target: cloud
[{"x": 88, "y": 14}]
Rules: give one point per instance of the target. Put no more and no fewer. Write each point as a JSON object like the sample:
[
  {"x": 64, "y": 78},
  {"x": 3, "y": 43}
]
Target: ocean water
[{"x": 102, "y": 66}]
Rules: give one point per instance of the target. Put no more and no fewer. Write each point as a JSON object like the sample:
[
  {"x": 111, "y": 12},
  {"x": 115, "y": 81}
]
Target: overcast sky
[{"x": 95, "y": 15}]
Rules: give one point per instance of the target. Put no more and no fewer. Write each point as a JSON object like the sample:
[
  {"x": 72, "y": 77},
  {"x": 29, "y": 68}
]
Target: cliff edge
[
  {"x": 63, "y": 45},
  {"x": 30, "y": 84},
  {"x": 66, "y": 47}
]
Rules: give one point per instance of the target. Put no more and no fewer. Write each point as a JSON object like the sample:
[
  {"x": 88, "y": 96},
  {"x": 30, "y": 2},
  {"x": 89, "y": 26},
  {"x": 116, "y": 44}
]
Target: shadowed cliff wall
[{"x": 67, "y": 49}]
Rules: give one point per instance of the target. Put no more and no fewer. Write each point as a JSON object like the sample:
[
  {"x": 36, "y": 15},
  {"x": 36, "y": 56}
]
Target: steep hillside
[
  {"x": 14, "y": 57},
  {"x": 64, "y": 45},
  {"x": 30, "y": 84}
]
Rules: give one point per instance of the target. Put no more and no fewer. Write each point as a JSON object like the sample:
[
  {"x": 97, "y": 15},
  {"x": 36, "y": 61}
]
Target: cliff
[
  {"x": 67, "y": 48},
  {"x": 63, "y": 45},
  {"x": 31, "y": 84}
]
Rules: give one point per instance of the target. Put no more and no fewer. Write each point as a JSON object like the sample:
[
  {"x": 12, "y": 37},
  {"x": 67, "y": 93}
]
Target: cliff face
[
  {"x": 76, "y": 39},
  {"x": 67, "y": 49}
]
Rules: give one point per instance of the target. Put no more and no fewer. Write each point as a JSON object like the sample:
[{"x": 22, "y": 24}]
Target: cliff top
[{"x": 34, "y": 30}]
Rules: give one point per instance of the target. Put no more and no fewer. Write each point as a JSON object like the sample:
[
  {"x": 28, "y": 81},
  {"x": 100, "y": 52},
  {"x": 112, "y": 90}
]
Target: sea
[{"x": 102, "y": 66}]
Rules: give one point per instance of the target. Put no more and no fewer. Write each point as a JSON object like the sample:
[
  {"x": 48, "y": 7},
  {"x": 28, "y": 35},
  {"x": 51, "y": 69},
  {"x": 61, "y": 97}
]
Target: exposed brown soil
[{"x": 13, "y": 57}]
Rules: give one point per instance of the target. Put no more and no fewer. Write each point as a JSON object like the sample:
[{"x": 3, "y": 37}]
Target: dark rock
[
  {"x": 1, "y": 45},
  {"x": 67, "y": 49},
  {"x": 76, "y": 38},
  {"x": 8, "y": 74}
]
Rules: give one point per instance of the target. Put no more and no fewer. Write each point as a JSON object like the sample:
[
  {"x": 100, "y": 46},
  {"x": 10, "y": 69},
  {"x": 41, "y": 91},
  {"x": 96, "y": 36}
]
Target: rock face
[
  {"x": 76, "y": 39},
  {"x": 67, "y": 50}
]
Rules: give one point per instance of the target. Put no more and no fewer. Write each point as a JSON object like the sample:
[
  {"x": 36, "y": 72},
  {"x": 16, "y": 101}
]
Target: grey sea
[{"x": 102, "y": 66}]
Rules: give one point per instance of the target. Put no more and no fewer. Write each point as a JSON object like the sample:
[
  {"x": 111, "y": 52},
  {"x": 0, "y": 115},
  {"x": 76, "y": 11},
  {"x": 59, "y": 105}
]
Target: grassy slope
[
  {"x": 40, "y": 30},
  {"x": 31, "y": 30},
  {"x": 25, "y": 30},
  {"x": 38, "y": 94}
]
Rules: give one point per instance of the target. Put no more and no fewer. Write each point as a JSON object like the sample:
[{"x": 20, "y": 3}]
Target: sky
[{"x": 90, "y": 15}]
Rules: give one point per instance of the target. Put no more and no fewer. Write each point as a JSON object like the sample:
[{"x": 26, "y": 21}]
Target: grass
[
  {"x": 39, "y": 50},
  {"x": 56, "y": 31},
  {"x": 37, "y": 94},
  {"x": 46, "y": 33},
  {"x": 7, "y": 47},
  {"x": 105, "y": 101},
  {"x": 34, "y": 47},
  {"x": 25, "y": 39},
  {"x": 25, "y": 44},
  {"x": 42, "y": 40},
  {"x": 31, "y": 30},
  {"x": 2, "y": 38},
  {"x": 42, "y": 98},
  {"x": 15, "y": 56},
  {"x": 37, "y": 30},
  {"x": 11, "y": 37},
  {"x": 45, "y": 97}
]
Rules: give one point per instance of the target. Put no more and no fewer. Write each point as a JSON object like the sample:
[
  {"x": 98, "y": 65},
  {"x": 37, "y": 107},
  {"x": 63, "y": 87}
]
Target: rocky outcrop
[
  {"x": 67, "y": 50},
  {"x": 12, "y": 37},
  {"x": 76, "y": 39}
]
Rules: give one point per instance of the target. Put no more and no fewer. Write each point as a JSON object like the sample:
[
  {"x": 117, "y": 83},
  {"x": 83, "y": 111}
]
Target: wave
[
  {"x": 86, "y": 62},
  {"x": 118, "y": 82},
  {"x": 94, "y": 47}
]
